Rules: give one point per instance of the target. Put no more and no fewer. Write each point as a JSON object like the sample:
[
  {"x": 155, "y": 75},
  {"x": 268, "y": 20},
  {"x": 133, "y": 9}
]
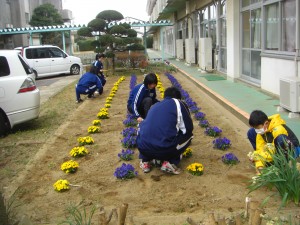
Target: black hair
[
  {"x": 172, "y": 92},
  {"x": 257, "y": 117},
  {"x": 94, "y": 70},
  {"x": 99, "y": 55},
  {"x": 150, "y": 79}
]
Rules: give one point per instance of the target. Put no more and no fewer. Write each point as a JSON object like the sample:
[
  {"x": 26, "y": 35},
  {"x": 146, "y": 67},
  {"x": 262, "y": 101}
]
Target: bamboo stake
[
  {"x": 221, "y": 221},
  {"x": 238, "y": 220},
  {"x": 253, "y": 207},
  {"x": 247, "y": 200},
  {"x": 257, "y": 218},
  {"x": 211, "y": 219},
  {"x": 190, "y": 221},
  {"x": 102, "y": 216},
  {"x": 123, "y": 211}
]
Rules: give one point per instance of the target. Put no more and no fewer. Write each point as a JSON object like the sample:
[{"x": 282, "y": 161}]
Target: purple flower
[
  {"x": 130, "y": 122},
  {"x": 221, "y": 143},
  {"x": 132, "y": 81},
  {"x": 213, "y": 131},
  {"x": 200, "y": 116},
  {"x": 129, "y": 142},
  {"x": 185, "y": 95},
  {"x": 203, "y": 123},
  {"x": 126, "y": 171},
  {"x": 129, "y": 131},
  {"x": 189, "y": 102},
  {"x": 194, "y": 109},
  {"x": 126, "y": 154},
  {"x": 230, "y": 159}
]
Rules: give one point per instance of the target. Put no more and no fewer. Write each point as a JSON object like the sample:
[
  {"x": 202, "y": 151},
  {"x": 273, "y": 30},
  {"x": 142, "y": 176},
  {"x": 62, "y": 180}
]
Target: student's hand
[{"x": 139, "y": 119}]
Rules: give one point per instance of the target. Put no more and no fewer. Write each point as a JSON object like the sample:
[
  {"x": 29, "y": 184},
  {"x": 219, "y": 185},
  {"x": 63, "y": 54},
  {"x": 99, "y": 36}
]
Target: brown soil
[{"x": 153, "y": 198}]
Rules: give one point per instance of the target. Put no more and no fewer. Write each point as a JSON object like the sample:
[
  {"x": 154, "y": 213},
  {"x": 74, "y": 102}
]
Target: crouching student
[
  {"x": 269, "y": 135},
  {"x": 88, "y": 84},
  {"x": 142, "y": 97},
  {"x": 165, "y": 133}
]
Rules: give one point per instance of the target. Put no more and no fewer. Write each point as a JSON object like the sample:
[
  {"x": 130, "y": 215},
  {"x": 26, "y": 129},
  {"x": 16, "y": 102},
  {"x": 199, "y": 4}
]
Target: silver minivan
[{"x": 49, "y": 60}]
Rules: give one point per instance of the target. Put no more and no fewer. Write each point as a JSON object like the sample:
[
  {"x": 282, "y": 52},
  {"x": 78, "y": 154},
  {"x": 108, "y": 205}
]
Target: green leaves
[{"x": 283, "y": 175}]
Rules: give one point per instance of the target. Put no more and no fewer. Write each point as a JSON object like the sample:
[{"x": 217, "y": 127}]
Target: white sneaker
[
  {"x": 170, "y": 168},
  {"x": 145, "y": 166}
]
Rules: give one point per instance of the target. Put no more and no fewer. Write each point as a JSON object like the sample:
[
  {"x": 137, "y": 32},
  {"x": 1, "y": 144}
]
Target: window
[
  {"x": 180, "y": 36},
  {"x": 4, "y": 67},
  {"x": 246, "y": 29},
  {"x": 56, "y": 53},
  {"x": 272, "y": 27},
  {"x": 281, "y": 26},
  {"x": 289, "y": 26},
  {"x": 27, "y": 18},
  {"x": 245, "y": 3},
  {"x": 255, "y": 23}
]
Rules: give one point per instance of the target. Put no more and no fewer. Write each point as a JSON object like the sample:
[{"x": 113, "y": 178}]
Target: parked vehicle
[
  {"x": 19, "y": 95},
  {"x": 49, "y": 60}
]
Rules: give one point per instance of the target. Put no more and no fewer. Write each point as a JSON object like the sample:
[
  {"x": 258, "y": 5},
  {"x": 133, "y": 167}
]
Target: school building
[{"x": 254, "y": 41}]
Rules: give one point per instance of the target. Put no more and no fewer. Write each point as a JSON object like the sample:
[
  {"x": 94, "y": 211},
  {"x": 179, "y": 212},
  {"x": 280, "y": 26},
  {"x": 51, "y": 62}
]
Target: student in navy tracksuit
[
  {"x": 142, "y": 97},
  {"x": 98, "y": 63},
  {"x": 88, "y": 84},
  {"x": 165, "y": 133}
]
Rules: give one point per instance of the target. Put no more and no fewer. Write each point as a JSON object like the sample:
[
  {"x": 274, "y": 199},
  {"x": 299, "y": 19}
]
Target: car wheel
[
  {"x": 4, "y": 124},
  {"x": 75, "y": 70}
]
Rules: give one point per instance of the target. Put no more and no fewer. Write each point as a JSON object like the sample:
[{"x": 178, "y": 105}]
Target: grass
[{"x": 26, "y": 139}]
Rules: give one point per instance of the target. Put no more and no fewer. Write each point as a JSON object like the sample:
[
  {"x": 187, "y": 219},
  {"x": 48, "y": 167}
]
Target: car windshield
[{"x": 25, "y": 65}]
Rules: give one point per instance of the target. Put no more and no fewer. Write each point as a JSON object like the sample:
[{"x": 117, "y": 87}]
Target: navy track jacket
[
  {"x": 89, "y": 81},
  {"x": 138, "y": 93},
  {"x": 167, "y": 127}
]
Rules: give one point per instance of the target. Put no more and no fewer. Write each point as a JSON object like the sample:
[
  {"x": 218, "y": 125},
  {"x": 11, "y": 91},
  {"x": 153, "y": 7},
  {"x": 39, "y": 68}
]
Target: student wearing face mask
[{"x": 266, "y": 135}]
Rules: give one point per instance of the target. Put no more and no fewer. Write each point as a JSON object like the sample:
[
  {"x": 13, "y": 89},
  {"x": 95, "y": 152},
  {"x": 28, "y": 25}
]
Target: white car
[
  {"x": 19, "y": 95},
  {"x": 49, "y": 60}
]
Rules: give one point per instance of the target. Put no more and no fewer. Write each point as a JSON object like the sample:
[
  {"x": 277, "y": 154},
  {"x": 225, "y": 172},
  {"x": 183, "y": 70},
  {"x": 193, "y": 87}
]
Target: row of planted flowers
[
  {"x": 129, "y": 133},
  {"x": 221, "y": 143},
  {"x": 71, "y": 166}
]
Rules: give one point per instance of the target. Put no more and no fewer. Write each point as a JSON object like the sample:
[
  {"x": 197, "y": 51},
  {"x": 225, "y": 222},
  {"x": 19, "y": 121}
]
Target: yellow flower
[
  {"x": 78, "y": 151},
  {"x": 93, "y": 129},
  {"x": 61, "y": 185},
  {"x": 69, "y": 166},
  {"x": 85, "y": 140},
  {"x": 102, "y": 115},
  {"x": 96, "y": 122},
  {"x": 104, "y": 110},
  {"x": 107, "y": 105},
  {"x": 195, "y": 169},
  {"x": 187, "y": 153}
]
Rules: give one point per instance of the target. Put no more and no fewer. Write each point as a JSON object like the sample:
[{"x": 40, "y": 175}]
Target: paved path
[{"x": 51, "y": 86}]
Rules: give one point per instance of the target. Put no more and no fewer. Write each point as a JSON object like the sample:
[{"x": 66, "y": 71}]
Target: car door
[
  {"x": 40, "y": 60},
  {"x": 59, "y": 61}
]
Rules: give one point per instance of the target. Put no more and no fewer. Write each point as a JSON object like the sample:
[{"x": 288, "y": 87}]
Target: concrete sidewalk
[
  {"x": 238, "y": 97},
  {"x": 48, "y": 91}
]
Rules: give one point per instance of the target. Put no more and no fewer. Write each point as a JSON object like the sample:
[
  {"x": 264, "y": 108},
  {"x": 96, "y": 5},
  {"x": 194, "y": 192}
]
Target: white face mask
[{"x": 260, "y": 131}]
